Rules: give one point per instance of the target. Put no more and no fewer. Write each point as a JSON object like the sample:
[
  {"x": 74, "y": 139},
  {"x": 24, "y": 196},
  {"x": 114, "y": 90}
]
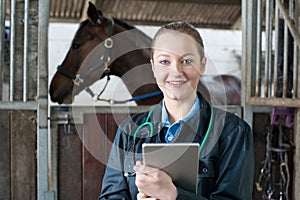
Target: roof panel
[{"x": 222, "y": 14}]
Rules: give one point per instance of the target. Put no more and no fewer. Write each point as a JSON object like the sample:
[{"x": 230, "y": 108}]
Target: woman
[{"x": 227, "y": 159}]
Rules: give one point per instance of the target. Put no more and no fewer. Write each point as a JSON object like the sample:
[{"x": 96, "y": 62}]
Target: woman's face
[{"x": 177, "y": 65}]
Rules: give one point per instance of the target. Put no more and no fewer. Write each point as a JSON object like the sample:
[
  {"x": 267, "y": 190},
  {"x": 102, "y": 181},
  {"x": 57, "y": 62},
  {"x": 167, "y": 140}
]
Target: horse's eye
[{"x": 75, "y": 46}]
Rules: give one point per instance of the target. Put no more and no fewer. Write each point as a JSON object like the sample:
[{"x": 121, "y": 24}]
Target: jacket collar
[{"x": 194, "y": 129}]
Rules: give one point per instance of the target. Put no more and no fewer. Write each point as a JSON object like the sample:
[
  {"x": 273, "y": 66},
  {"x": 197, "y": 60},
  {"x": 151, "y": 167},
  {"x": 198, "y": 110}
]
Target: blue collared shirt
[{"x": 174, "y": 128}]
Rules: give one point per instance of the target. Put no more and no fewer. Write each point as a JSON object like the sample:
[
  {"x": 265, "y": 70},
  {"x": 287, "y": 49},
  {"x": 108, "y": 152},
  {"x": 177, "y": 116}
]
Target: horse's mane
[
  {"x": 124, "y": 24},
  {"x": 128, "y": 27}
]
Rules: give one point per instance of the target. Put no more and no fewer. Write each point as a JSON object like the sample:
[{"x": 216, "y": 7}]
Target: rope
[
  {"x": 113, "y": 101},
  {"x": 137, "y": 98}
]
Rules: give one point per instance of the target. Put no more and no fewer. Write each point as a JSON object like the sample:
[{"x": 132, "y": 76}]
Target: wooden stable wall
[
  {"x": 80, "y": 173},
  {"x": 18, "y": 155}
]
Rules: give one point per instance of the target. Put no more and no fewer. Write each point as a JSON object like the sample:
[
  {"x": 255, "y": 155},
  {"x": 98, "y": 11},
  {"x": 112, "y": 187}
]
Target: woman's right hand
[
  {"x": 154, "y": 183},
  {"x": 142, "y": 196}
]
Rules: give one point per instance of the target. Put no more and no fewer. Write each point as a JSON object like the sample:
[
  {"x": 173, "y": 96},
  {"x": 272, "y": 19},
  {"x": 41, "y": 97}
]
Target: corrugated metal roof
[{"x": 222, "y": 14}]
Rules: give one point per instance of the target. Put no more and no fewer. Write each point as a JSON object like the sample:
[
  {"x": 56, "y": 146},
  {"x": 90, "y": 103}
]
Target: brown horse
[{"x": 103, "y": 46}]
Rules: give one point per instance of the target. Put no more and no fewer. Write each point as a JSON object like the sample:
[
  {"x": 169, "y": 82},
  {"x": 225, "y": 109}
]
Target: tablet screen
[{"x": 179, "y": 160}]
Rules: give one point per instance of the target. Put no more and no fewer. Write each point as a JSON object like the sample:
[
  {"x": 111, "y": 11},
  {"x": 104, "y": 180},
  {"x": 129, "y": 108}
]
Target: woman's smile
[{"x": 176, "y": 83}]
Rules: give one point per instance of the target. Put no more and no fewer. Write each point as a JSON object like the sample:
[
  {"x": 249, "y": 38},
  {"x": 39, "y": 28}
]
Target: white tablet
[{"x": 179, "y": 160}]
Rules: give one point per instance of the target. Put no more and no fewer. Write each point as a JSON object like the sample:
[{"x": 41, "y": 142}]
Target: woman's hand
[
  {"x": 153, "y": 183},
  {"x": 142, "y": 196}
]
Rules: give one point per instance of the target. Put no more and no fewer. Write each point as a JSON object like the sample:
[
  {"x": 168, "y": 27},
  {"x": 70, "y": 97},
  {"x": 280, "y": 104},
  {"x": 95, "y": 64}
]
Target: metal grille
[{"x": 273, "y": 65}]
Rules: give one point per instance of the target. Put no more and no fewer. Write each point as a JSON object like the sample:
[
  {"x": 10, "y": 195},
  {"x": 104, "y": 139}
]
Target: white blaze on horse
[{"x": 104, "y": 46}]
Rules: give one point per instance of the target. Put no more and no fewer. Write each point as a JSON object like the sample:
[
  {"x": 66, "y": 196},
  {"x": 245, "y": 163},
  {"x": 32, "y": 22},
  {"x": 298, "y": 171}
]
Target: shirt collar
[{"x": 165, "y": 117}]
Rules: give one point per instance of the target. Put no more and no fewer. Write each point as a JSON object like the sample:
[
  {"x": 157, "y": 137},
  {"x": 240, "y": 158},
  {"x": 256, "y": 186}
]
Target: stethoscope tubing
[{"x": 148, "y": 123}]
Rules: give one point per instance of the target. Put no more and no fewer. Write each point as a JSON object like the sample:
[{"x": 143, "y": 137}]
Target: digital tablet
[{"x": 179, "y": 160}]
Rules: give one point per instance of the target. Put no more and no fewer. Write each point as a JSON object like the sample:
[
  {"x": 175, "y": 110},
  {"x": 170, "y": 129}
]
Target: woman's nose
[{"x": 176, "y": 67}]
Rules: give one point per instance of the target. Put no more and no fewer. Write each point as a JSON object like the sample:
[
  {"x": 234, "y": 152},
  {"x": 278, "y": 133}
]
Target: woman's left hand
[{"x": 153, "y": 183}]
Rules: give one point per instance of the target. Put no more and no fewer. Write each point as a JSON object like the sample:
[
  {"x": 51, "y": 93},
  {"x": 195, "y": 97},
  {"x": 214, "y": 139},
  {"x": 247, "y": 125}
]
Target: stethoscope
[{"x": 148, "y": 123}]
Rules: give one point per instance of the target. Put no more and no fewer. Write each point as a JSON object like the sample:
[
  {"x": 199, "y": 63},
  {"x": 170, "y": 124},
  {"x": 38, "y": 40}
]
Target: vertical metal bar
[
  {"x": 295, "y": 71},
  {"x": 12, "y": 48},
  {"x": 258, "y": 50},
  {"x": 43, "y": 169},
  {"x": 292, "y": 15},
  {"x": 269, "y": 66},
  {"x": 248, "y": 11},
  {"x": 265, "y": 81},
  {"x": 2, "y": 40},
  {"x": 296, "y": 52},
  {"x": 285, "y": 59},
  {"x": 276, "y": 52},
  {"x": 286, "y": 53},
  {"x": 25, "y": 53}
]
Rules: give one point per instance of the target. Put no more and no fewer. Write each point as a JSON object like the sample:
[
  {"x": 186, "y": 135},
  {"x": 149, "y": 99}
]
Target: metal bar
[
  {"x": 43, "y": 146},
  {"x": 292, "y": 13},
  {"x": 293, "y": 29},
  {"x": 25, "y": 53},
  {"x": 12, "y": 49},
  {"x": 295, "y": 71},
  {"x": 285, "y": 60},
  {"x": 276, "y": 52},
  {"x": 258, "y": 49},
  {"x": 2, "y": 40},
  {"x": 267, "y": 46},
  {"x": 249, "y": 10},
  {"x": 29, "y": 105},
  {"x": 269, "y": 71}
]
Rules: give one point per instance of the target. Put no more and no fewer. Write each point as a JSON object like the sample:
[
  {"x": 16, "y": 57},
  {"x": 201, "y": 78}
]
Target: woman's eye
[
  {"x": 164, "y": 62},
  {"x": 187, "y": 61}
]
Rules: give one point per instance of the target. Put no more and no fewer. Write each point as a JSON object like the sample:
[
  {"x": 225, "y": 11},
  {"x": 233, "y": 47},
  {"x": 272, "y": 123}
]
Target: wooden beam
[{"x": 296, "y": 174}]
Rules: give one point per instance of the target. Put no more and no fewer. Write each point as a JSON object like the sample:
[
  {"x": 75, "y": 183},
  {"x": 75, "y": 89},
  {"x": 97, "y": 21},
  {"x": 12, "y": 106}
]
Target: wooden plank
[
  {"x": 297, "y": 153},
  {"x": 69, "y": 163},
  {"x": 99, "y": 132},
  {"x": 23, "y": 154},
  {"x": 4, "y": 155},
  {"x": 93, "y": 160}
]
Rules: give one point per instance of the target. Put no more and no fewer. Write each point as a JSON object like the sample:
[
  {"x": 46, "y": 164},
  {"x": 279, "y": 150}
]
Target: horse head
[{"x": 104, "y": 46}]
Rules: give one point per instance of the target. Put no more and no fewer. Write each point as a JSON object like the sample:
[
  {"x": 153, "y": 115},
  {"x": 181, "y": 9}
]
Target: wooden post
[
  {"x": 297, "y": 154},
  {"x": 297, "y": 117}
]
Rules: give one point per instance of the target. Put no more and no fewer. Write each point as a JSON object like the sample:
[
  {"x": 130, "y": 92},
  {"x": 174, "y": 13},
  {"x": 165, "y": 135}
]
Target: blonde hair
[{"x": 182, "y": 27}]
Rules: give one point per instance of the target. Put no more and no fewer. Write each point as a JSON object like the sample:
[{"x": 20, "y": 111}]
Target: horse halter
[{"x": 78, "y": 79}]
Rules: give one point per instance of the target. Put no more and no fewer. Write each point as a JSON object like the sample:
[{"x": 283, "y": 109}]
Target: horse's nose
[{"x": 51, "y": 92}]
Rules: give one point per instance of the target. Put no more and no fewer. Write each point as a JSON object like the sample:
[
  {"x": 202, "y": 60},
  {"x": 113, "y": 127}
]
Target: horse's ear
[{"x": 94, "y": 14}]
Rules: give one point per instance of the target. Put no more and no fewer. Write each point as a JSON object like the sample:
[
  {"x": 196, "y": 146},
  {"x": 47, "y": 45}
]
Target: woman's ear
[
  {"x": 203, "y": 65},
  {"x": 152, "y": 66},
  {"x": 204, "y": 60}
]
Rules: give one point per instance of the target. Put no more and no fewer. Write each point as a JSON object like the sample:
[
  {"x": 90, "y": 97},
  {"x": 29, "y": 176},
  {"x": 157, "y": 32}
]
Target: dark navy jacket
[{"x": 226, "y": 164}]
